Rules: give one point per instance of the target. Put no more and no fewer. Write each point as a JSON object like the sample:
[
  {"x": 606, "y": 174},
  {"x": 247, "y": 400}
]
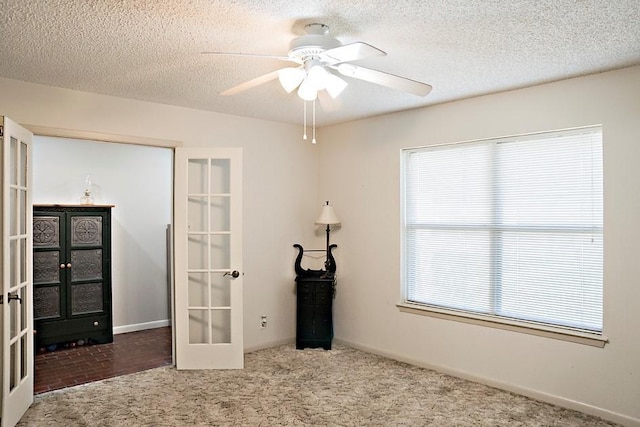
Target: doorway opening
[{"x": 138, "y": 180}]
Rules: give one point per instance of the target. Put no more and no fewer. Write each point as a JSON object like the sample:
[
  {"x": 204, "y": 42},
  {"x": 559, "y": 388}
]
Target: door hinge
[{"x": 1, "y": 130}]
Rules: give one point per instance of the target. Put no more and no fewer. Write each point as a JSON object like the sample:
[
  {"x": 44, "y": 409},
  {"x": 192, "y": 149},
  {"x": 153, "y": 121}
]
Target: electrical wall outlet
[{"x": 263, "y": 321}]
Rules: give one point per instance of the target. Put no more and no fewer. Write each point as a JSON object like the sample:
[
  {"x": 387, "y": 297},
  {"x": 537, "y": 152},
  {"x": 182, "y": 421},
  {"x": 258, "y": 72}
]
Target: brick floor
[{"x": 129, "y": 353}]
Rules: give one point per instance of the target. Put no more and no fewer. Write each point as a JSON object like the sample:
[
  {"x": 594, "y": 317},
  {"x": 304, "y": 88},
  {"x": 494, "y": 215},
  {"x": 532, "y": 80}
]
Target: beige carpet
[{"x": 287, "y": 387}]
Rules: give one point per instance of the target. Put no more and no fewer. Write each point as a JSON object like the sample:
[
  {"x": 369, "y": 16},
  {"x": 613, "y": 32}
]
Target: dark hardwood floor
[{"x": 129, "y": 353}]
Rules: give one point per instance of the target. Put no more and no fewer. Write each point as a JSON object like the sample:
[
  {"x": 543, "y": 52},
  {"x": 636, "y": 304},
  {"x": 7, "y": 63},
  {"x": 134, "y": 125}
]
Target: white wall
[
  {"x": 280, "y": 181},
  {"x": 138, "y": 180},
  {"x": 366, "y": 155},
  {"x": 359, "y": 162}
]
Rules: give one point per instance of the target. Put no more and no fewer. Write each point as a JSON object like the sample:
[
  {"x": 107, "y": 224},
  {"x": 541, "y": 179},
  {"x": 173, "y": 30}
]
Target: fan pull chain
[
  {"x": 313, "y": 141},
  {"x": 304, "y": 126}
]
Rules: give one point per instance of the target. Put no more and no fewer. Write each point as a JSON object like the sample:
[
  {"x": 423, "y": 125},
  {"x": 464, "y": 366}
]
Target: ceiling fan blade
[
  {"x": 384, "y": 79},
  {"x": 253, "y": 55},
  {"x": 251, "y": 83},
  {"x": 351, "y": 52}
]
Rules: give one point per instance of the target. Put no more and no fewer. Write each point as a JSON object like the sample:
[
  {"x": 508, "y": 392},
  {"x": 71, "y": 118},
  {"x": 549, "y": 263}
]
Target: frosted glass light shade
[
  {"x": 328, "y": 216},
  {"x": 290, "y": 78},
  {"x": 334, "y": 85},
  {"x": 316, "y": 76},
  {"x": 307, "y": 91}
]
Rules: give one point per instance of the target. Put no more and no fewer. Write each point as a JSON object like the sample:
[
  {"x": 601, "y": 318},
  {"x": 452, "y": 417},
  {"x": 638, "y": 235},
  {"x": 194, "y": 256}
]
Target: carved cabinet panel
[{"x": 72, "y": 274}]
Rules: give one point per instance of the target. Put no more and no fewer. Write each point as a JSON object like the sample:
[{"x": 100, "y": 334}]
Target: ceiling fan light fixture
[
  {"x": 334, "y": 85},
  {"x": 290, "y": 78},
  {"x": 307, "y": 91},
  {"x": 317, "y": 76}
]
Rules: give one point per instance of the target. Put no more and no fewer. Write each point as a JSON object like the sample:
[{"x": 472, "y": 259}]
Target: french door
[
  {"x": 208, "y": 258},
  {"x": 16, "y": 320}
]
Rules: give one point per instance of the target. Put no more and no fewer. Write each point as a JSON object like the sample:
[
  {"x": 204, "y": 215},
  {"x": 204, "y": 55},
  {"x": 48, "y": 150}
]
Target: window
[{"x": 509, "y": 228}]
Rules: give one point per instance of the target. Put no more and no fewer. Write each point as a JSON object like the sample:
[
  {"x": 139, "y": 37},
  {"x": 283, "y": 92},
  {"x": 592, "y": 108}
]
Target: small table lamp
[{"x": 327, "y": 217}]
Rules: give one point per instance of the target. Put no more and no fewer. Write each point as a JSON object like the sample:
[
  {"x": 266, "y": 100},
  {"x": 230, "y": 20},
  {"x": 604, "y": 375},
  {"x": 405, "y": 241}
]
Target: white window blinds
[{"x": 509, "y": 227}]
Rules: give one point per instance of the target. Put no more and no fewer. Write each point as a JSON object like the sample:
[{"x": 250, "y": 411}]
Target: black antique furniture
[
  {"x": 315, "y": 290},
  {"x": 72, "y": 274}
]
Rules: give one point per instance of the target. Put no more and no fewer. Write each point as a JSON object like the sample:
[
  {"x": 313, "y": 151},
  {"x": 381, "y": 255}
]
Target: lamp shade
[{"x": 328, "y": 216}]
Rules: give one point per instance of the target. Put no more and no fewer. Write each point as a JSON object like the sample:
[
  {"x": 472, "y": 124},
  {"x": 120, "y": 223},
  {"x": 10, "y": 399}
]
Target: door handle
[
  {"x": 14, "y": 298},
  {"x": 235, "y": 274}
]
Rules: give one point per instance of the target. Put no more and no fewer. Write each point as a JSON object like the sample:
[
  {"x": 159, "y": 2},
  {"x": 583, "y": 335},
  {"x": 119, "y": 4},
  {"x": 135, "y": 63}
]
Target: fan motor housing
[{"x": 311, "y": 45}]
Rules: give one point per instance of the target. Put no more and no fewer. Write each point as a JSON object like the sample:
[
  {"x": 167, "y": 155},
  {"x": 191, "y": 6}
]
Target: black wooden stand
[{"x": 315, "y": 290}]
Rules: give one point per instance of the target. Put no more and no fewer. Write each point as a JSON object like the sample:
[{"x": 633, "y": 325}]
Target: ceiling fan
[{"x": 321, "y": 60}]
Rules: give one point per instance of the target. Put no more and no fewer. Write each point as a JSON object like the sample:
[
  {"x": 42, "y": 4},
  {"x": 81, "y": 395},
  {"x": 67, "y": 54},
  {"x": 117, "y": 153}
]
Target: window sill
[{"x": 575, "y": 336}]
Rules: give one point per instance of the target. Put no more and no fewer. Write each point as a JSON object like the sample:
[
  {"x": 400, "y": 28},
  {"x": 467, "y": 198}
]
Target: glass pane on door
[
  {"x": 13, "y": 165},
  {"x": 197, "y": 252},
  {"x": 198, "y": 295},
  {"x": 220, "y": 290},
  {"x": 199, "y": 326},
  {"x": 221, "y": 326},
  {"x": 220, "y": 176},
  {"x": 13, "y": 356},
  {"x": 208, "y": 251},
  {"x": 197, "y": 176},
  {"x": 23, "y": 359},
  {"x": 219, "y": 251},
  {"x": 198, "y": 214},
  {"x": 13, "y": 203},
  {"x": 13, "y": 318},
  {"x": 220, "y": 208},
  {"x": 23, "y": 164}
]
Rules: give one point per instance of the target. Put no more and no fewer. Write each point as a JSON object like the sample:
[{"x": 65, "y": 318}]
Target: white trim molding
[
  {"x": 539, "y": 330},
  {"x": 102, "y": 137},
  {"x": 531, "y": 393},
  {"x": 141, "y": 326}
]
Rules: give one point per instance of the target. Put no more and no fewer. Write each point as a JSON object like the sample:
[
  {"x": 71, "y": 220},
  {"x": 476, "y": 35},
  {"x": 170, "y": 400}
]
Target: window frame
[{"x": 565, "y": 333}]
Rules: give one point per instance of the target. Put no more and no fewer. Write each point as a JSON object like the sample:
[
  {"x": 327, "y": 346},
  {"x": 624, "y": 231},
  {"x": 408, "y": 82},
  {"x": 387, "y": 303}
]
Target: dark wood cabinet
[
  {"x": 315, "y": 290},
  {"x": 72, "y": 274},
  {"x": 314, "y": 320}
]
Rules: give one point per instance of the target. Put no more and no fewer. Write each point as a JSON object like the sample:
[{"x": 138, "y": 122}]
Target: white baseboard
[
  {"x": 534, "y": 394},
  {"x": 269, "y": 345},
  {"x": 141, "y": 326}
]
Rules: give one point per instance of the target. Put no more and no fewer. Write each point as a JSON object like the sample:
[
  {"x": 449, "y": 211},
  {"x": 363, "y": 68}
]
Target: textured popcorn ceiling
[{"x": 150, "y": 49}]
